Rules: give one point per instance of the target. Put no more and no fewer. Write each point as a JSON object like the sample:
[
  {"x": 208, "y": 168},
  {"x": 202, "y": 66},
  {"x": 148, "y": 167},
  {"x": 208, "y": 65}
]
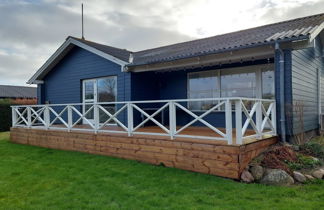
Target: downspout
[{"x": 282, "y": 92}]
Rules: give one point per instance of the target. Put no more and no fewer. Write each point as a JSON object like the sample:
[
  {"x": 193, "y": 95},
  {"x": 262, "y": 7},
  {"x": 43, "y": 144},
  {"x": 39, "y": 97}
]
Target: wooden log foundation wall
[{"x": 204, "y": 157}]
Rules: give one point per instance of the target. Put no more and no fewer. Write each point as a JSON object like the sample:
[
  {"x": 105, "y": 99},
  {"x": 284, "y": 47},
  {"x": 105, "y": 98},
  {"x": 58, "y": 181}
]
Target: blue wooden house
[
  {"x": 208, "y": 105},
  {"x": 271, "y": 76}
]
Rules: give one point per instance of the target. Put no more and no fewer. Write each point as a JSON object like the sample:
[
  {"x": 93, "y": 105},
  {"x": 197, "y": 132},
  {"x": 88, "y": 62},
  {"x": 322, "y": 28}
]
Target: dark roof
[
  {"x": 284, "y": 31},
  {"x": 121, "y": 54},
  {"x": 8, "y": 91},
  {"x": 266, "y": 34}
]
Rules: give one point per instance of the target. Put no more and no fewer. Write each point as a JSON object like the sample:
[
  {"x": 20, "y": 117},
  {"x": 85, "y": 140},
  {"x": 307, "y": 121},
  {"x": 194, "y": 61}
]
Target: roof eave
[{"x": 256, "y": 45}]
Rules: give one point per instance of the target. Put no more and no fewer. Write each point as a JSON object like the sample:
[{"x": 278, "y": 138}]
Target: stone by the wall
[
  {"x": 299, "y": 177},
  {"x": 257, "y": 172},
  {"x": 277, "y": 177}
]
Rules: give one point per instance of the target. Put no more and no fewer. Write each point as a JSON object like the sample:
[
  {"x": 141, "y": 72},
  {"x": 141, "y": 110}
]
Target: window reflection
[
  {"x": 107, "y": 92},
  {"x": 238, "y": 84},
  {"x": 268, "y": 89},
  {"x": 107, "y": 89},
  {"x": 89, "y": 89},
  {"x": 230, "y": 83},
  {"x": 203, "y": 85}
]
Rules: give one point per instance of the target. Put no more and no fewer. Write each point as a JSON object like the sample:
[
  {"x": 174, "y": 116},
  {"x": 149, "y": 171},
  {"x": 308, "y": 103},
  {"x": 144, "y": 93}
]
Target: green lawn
[{"x": 39, "y": 178}]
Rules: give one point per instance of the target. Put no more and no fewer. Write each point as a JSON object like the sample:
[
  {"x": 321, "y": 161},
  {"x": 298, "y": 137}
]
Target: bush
[
  {"x": 303, "y": 162},
  {"x": 5, "y": 111},
  {"x": 5, "y": 115},
  {"x": 313, "y": 148}
]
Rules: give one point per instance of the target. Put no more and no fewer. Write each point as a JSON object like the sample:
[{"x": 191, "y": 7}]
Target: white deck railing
[{"x": 241, "y": 115}]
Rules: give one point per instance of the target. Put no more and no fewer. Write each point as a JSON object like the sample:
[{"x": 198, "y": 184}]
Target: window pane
[
  {"x": 103, "y": 117},
  {"x": 90, "y": 114},
  {"x": 268, "y": 89},
  {"x": 89, "y": 90},
  {"x": 203, "y": 85},
  {"x": 107, "y": 89},
  {"x": 238, "y": 84}
]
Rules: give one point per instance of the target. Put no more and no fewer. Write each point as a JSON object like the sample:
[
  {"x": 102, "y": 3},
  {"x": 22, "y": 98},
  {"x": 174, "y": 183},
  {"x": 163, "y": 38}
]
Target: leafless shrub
[{"x": 295, "y": 125}]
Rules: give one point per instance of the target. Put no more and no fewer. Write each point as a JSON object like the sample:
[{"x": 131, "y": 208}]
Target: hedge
[
  {"x": 5, "y": 115},
  {"x": 5, "y": 111}
]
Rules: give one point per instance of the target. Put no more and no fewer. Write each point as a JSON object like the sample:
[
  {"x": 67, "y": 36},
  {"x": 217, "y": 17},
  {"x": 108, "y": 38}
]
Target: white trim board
[{"x": 63, "y": 50}]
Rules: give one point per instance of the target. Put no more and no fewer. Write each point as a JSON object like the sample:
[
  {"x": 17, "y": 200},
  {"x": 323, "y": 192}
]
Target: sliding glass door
[{"x": 99, "y": 90}]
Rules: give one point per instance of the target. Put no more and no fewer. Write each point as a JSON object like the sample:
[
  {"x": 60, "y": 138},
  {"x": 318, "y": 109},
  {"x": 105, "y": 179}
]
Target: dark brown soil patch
[{"x": 277, "y": 157}]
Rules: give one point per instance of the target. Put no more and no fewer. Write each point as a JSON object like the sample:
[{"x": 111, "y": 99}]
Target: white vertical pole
[
  {"x": 46, "y": 117},
  {"x": 172, "y": 119},
  {"x": 14, "y": 116},
  {"x": 259, "y": 118},
  {"x": 130, "y": 120},
  {"x": 29, "y": 116},
  {"x": 228, "y": 119},
  {"x": 274, "y": 118},
  {"x": 70, "y": 117},
  {"x": 96, "y": 116},
  {"x": 238, "y": 121}
]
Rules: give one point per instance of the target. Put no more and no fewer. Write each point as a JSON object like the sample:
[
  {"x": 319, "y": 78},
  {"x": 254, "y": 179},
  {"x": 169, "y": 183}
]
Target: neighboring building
[
  {"x": 281, "y": 61},
  {"x": 17, "y": 92}
]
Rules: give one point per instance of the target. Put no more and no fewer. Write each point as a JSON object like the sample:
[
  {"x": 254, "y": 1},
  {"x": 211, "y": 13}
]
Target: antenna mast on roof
[{"x": 82, "y": 20}]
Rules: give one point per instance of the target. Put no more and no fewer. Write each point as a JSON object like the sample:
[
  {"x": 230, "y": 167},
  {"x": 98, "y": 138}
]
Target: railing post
[
  {"x": 172, "y": 119},
  {"x": 96, "y": 117},
  {"x": 29, "y": 117},
  {"x": 228, "y": 119},
  {"x": 259, "y": 118},
  {"x": 238, "y": 121},
  {"x": 70, "y": 118},
  {"x": 46, "y": 117},
  {"x": 130, "y": 120},
  {"x": 274, "y": 118},
  {"x": 14, "y": 116}
]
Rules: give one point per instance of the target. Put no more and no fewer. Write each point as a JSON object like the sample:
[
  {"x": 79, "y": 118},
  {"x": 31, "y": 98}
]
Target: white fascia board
[
  {"x": 63, "y": 47},
  {"x": 98, "y": 52},
  {"x": 48, "y": 62},
  {"x": 316, "y": 32}
]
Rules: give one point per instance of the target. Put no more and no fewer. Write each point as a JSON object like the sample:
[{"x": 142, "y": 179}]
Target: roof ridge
[{"x": 233, "y": 32}]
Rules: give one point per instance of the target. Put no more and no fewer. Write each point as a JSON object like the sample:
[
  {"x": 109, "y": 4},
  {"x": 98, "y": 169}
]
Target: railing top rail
[{"x": 151, "y": 101}]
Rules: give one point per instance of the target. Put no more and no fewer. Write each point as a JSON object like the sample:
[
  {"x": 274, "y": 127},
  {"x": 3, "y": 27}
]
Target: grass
[{"x": 39, "y": 178}]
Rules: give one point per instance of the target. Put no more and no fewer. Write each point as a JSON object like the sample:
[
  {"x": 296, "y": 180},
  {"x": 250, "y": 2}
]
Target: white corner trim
[{"x": 63, "y": 47}]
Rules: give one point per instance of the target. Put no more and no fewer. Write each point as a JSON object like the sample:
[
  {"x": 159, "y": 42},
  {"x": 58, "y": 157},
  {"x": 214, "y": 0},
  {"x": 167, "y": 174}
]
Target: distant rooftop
[{"x": 9, "y": 91}]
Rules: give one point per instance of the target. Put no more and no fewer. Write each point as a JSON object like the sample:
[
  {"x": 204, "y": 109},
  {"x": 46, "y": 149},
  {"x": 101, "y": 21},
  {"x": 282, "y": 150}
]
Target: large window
[{"x": 250, "y": 82}]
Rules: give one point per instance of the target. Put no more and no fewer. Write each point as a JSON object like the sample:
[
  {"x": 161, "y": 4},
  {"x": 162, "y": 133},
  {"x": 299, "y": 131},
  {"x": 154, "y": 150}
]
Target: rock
[
  {"x": 277, "y": 177},
  {"x": 247, "y": 177},
  {"x": 299, "y": 177},
  {"x": 309, "y": 177},
  {"x": 315, "y": 159},
  {"x": 296, "y": 147},
  {"x": 319, "y": 173},
  {"x": 257, "y": 172}
]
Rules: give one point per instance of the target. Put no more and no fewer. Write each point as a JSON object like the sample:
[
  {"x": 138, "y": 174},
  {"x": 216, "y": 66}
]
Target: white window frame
[{"x": 95, "y": 96}]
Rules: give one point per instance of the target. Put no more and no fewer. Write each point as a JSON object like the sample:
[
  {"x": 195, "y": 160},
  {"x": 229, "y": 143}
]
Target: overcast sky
[{"x": 31, "y": 30}]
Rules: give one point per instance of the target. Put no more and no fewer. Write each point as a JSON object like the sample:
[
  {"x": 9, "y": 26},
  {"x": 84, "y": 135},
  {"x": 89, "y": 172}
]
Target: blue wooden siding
[
  {"x": 64, "y": 83},
  {"x": 305, "y": 66}
]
